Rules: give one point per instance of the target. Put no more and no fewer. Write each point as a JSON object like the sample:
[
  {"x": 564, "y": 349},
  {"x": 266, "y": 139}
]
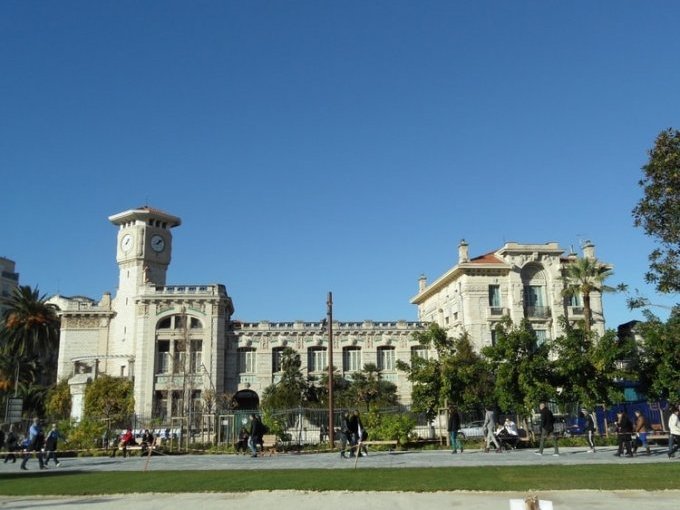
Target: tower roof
[{"x": 144, "y": 214}]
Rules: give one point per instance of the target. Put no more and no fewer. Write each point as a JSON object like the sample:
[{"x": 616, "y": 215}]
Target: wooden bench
[
  {"x": 657, "y": 433},
  {"x": 139, "y": 447},
  {"x": 392, "y": 443},
  {"x": 269, "y": 444}
]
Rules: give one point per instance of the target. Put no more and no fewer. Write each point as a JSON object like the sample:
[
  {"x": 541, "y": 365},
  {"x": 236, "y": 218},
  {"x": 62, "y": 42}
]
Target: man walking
[
  {"x": 641, "y": 431},
  {"x": 589, "y": 429},
  {"x": 254, "y": 434},
  {"x": 51, "y": 445},
  {"x": 547, "y": 428},
  {"x": 489, "y": 429},
  {"x": 453, "y": 428},
  {"x": 35, "y": 442}
]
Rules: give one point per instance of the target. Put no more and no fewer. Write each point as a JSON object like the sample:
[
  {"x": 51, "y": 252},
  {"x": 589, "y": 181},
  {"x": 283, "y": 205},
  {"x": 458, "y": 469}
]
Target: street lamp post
[{"x": 331, "y": 424}]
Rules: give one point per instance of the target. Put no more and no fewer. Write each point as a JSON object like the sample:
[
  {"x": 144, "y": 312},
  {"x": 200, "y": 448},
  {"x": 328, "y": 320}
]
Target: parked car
[{"x": 472, "y": 429}]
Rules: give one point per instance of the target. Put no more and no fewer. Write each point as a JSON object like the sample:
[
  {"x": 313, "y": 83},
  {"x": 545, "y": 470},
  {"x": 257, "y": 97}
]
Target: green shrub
[{"x": 390, "y": 426}]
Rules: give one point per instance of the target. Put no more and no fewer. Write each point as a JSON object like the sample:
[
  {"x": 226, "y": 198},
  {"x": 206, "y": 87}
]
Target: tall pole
[{"x": 331, "y": 423}]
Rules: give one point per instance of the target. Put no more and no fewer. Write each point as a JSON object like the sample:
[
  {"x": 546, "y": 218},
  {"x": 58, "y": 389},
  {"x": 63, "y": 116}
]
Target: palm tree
[
  {"x": 30, "y": 328},
  {"x": 583, "y": 276}
]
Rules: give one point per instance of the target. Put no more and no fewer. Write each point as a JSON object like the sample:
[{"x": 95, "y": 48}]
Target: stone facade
[
  {"x": 253, "y": 351},
  {"x": 522, "y": 281},
  {"x": 178, "y": 342}
]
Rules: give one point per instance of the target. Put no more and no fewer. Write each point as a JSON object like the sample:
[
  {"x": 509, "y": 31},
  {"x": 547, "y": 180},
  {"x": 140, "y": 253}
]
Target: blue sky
[{"x": 315, "y": 146}]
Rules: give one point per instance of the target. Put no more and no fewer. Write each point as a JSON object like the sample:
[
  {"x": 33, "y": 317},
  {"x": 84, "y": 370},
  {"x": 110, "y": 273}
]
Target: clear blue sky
[{"x": 313, "y": 145}]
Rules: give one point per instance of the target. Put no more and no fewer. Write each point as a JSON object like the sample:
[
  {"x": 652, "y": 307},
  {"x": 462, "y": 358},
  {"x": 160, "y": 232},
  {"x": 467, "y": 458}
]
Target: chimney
[
  {"x": 422, "y": 283},
  {"x": 463, "y": 255},
  {"x": 589, "y": 250}
]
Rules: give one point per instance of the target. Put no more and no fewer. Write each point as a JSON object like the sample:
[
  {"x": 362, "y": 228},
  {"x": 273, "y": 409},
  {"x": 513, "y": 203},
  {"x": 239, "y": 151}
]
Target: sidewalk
[{"x": 298, "y": 500}]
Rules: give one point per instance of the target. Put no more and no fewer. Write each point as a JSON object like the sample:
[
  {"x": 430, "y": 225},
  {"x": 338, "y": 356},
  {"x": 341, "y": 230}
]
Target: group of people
[
  {"x": 631, "y": 434},
  {"x": 505, "y": 433},
  {"x": 44, "y": 446},
  {"x": 352, "y": 434},
  {"x": 127, "y": 439}
]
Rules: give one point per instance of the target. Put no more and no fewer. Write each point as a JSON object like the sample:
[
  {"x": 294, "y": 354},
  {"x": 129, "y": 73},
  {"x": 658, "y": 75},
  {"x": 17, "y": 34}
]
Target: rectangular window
[
  {"x": 277, "y": 354},
  {"x": 316, "y": 359},
  {"x": 418, "y": 351},
  {"x": 576, "y": 300},
  {"x": 161, "y": 404},
  {"x": 533, "y": 296},
  {"x": 246, "y": 360},
  {"x": 163, "y": 357},
  {"x": 179, "y": 360},
  {"x": 386, "y": 359},
  {"x": 351, "y": 359},
  {"x": 196, "y": 357},
  {"x": 541, "y": 337},
  {"x": 494, "y": 337},
  {"x": 495, "y": 296}
]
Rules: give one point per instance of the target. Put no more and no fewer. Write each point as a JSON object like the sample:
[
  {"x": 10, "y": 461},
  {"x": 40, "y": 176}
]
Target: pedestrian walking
[
  {"x": 489, "y": 429},
  {"x": 641, "y": 432},
  {"x": 255, "y": 434},
  {"x": 34, "y": 442},
  {"x": 624, "y": 431},
  {"x": 547, "y": 428},
  {"x": 345, "y": 434},
  {"x": 453, "y": 428},
  {"x": 589, "y": 429},
  {"x": 51, "y": 445},
  {"x": 11, "y": 445}
]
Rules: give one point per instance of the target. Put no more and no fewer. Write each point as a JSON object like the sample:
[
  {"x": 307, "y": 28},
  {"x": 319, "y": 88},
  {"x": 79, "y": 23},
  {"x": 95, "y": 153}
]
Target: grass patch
[{"x": 482, "y": 478}]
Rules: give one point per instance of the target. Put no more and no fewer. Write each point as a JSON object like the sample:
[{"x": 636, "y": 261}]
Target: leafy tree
[
  {"x": 470, "y": 379},
  {"x": 293, "y": 389},
  {"x": 660, "y": 355},
  {"x": 368, "y": 388},
  {"x": 58, "y": 401},
  {"x": 318, "y": 392},
  {"x": 584, "y": 276},
  {"x": 521, "y": 368},
  {"x": 587, "y": 372},
  {"x": 430, "y": 384},
  {"x": 110, "y": 398},
  {"x": 658, "y": 211}
]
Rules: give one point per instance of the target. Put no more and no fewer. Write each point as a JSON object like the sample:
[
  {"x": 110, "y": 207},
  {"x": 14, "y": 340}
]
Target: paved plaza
[{"x": 298, "y": 500}]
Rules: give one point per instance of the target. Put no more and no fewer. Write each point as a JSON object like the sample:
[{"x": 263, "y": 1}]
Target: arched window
[{"x": 534, "y": 281}]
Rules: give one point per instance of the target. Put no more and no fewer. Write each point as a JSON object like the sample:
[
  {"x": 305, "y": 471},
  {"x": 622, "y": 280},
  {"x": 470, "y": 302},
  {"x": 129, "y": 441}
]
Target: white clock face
[
  {"x": 126, "y": 243},
  {"x": 157, "y": 243}
]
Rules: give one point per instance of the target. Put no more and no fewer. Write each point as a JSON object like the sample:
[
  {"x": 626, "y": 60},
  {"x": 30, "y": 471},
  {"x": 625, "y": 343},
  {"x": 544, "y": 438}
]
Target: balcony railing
[
  {"x": 576, "y": 310},
  {"x": 496, "y": 310},
  {"x": 537, "y": 312}
]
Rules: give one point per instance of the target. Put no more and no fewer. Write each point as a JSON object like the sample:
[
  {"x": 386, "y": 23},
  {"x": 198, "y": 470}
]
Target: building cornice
[{"x": 453, "y": 274}]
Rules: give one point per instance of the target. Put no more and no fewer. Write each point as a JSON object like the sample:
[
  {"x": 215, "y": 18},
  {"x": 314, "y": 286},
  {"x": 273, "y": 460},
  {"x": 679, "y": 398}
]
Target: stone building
[
  {"x": 522, "y": 281},
  {"x": 178, "y": 342}
]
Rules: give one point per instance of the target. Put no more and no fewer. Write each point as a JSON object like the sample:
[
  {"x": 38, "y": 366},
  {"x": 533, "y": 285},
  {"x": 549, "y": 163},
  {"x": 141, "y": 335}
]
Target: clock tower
[
  {"x": 143, "y": 247},
  {"x": 143, "y": 250}
]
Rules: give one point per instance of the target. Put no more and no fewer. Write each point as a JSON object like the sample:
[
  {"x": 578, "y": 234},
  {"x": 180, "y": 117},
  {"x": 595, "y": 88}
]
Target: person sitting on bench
[{"x": 508, "y": 435}]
